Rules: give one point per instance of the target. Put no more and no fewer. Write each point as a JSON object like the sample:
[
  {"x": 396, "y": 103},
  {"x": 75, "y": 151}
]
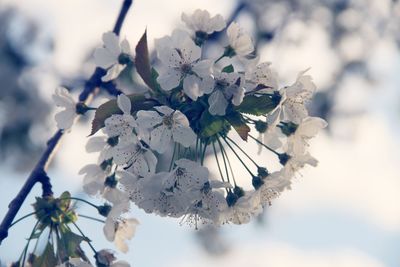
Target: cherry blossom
[
  {"x": 239, "y": 42},
  {"x": 110, "y": 56},
  {"x": 171, "y": 124},
  {"x": 181, "y": 63},
  {"x": 202, "y": 24},
  {"x": 66, "y": 117}
]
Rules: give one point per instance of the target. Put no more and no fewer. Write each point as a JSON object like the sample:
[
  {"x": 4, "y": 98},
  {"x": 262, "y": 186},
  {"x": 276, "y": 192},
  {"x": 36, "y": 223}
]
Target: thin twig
[{"x": 38, "y": 174}]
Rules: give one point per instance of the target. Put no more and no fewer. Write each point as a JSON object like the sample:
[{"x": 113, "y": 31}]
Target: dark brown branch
[{"x": 38, "y": 174}]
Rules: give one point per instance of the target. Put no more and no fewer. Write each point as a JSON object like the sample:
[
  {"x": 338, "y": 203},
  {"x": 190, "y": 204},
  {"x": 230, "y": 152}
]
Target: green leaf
[
  {"x": 228, "y": 69},
  {"x": 156, "y": 86},
  {"x": 257, "y": 105},
  {"x": 69, "y": 243},
  {"x": 65, "y": 201},
  {"x": 104, "y": 111},
  {"x": 238, "y": 123},
  {"x": 142, "y": 62},
  {"x": 210, "y": 125},
  {"x": 47, "y": 259}
]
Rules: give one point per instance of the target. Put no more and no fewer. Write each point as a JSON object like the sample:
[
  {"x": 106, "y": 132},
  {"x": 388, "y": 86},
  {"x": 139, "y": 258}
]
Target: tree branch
[{"x": 38, "y": 174}]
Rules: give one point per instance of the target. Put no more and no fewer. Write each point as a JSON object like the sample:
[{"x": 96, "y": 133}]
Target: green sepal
[
  {"x": 238, "y": 123},
  {"x": 211, "y": 125},
  {"x": 47, "y": 259},
  {"x": 228, "y": 69},
  {"x": 257, "y": 105}
]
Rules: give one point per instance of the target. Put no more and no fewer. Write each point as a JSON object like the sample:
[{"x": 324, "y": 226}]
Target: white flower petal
[
  {"x": 96, "y": 144},
  {"x": 184, "y": 135},
  {"x": 192, "y": 87},
  {"x": 169, "y": 79},
  {"x": 62, "y": 98},
  {"x": 180, "y": 119},
  {"x": 111, "y": 43},
  {"x": 160, "y": 139},
  {"x": 190, "y": 51},
  {"x": 217, "y": 103},
  {"x": 169, "y": 57},
  {"x": 125, "y": 47},
  {"x": 148, "y": 119},
  {"x": 203, "y": 68},
  {"x": 124, "y": 104},
  {"x": 65, "y": 118},
  {"x": 164, "y": 110},
  {"x": 103, "y": 58},
  {"x": 113, "y": 72}
]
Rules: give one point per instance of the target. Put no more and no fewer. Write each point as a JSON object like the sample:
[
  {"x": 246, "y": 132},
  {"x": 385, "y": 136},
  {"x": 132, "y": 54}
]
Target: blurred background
[{"x": 344, "y": 213}]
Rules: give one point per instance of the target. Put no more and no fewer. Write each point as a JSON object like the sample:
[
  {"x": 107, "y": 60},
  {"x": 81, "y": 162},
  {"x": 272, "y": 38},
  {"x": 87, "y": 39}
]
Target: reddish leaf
[
  {"x": 237, "y": 122},
  {"x": 142, "y": 61}
]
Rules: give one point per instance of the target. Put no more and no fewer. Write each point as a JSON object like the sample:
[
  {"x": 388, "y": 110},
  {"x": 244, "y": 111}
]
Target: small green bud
[
  {"x": 283, "y": 158},
  {"x": 81, "y": 108},
  {"x": 112, "y": 141},
  {"x": 125, "y": 59},
  {"x": 262, "y": 172},
  {"x": 104, "y": 210},
  {"x": 229, "y": 51},
  {"x": 257, "y": 182},
  {"x": 288, "y": 128},
  {"x": 111, "y": 181},
  {"x": 261, "y": 126}
]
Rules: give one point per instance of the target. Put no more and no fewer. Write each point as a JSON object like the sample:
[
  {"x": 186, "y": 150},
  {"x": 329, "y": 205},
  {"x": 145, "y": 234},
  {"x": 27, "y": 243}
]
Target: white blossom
[
  {"x": 188, "y": 175},
  {"x": 121, "y": 125},
  {"x": 298, "y": 161},
  {"x": 245, "y": 208},
  {"x": 200, "y": 21},
  {"x": 307, "y": 129},
  {"x": 155, "y": 195},
  {"x": 262, "y": 75},
  {"x": 211, "y": 207},
  {"x": 66, "y": 117},
  {"x": 228, "y": 88},
  {"x": 180, "y": 62},
  {"x": 95, "y": 176},
  {"x": 272, "y": 135},
  {"x": 296, "y": 96},
  {"x": 273, "y": 185},
  {"x": 135, "y": 156},
  {"x": 240, "y": 42},
  {"x": 108, "y": 56},
  {"x": 120, "y": 231},
  {"x": 99, "y": 144},
  {"x": 171, "y": 124}
]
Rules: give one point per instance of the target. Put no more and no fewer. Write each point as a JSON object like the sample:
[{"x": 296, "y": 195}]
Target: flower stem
[
  {"x": 264, "y": 145},
  {"x": 241, "y": 149},
  {"x": 23, "y": 217},
  {"x": 216, "y": 158},
  {"x": 204, "y": 152},
  {"x": 223, "y": 158},
  {"x": 82, "y": 200},
  {"x": 86, "y": 238},
  {"x": 23, "y": 254},
  {"x": 91, "y": 218},
  {"x": 241, "y": 161}
]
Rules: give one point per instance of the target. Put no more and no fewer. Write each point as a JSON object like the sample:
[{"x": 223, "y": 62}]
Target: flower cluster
[{"x": 155, "y": 146}]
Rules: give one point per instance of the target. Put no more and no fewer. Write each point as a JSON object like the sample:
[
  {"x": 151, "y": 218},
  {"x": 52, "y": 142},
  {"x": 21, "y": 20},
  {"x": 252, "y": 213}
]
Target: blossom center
[
  {"x": 186, "y": 68},
  {"x": 168, "y": 121}
]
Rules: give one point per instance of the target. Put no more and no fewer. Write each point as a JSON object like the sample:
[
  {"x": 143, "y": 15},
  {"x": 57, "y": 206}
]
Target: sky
[{"x": 344, "y": 213}]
